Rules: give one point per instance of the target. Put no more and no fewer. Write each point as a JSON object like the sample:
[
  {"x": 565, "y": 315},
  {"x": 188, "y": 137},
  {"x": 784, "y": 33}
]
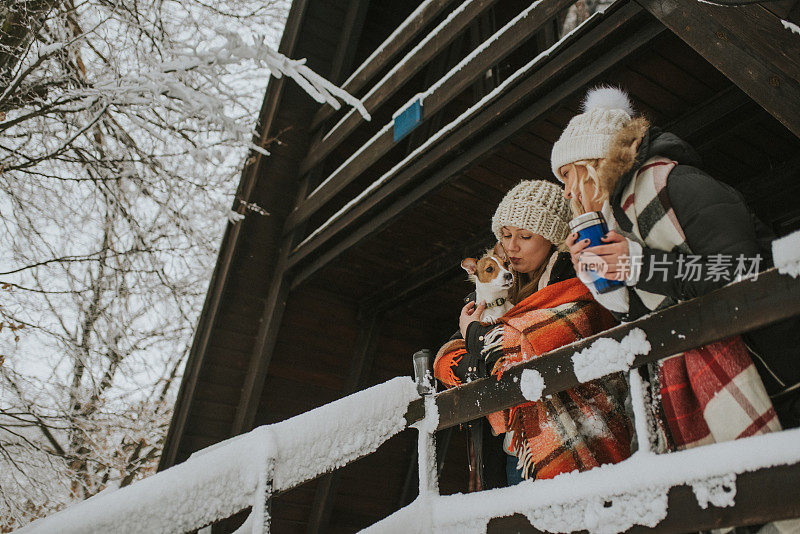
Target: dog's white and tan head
[{"x": 492, "y": 280}]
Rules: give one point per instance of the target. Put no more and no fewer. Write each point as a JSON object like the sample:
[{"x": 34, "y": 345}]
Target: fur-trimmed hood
[{"x": 634, "y": 144}]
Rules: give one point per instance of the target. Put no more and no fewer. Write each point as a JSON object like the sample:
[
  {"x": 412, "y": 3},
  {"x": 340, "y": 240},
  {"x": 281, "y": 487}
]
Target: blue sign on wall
[{"x": 407, "y": 120}]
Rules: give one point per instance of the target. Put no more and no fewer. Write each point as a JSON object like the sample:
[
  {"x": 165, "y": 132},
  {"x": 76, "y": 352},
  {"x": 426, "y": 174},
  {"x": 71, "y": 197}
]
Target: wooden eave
[{"x": 209, "y": 348}]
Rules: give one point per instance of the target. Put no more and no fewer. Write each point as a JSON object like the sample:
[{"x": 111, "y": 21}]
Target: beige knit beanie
[
  {"x": 588, "y": 135},
  {"x": 537, "y": 206}
]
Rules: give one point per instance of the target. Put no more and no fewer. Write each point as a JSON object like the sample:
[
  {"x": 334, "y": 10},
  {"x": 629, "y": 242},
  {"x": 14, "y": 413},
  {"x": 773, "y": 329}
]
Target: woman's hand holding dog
[
  {"x": 610, "y": 261},
  {"x": 469, "y": 314}
]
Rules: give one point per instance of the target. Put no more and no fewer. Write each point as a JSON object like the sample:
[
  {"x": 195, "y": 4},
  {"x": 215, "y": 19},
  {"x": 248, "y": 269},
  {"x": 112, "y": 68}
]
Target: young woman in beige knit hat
[
  {"x": 577, "y": 429},
  {"x": 673, "y": 228}
]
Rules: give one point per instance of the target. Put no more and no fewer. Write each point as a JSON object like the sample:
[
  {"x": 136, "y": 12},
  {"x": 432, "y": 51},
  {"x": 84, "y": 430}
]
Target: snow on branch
[
  {"x": 235, "y": 50},
  {"x": 221, "y": 480},
  {"x": 794, "y": 28}
]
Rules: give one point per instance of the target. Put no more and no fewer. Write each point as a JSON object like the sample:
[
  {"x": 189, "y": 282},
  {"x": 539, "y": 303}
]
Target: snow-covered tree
[{"x": 124, "y": 126}]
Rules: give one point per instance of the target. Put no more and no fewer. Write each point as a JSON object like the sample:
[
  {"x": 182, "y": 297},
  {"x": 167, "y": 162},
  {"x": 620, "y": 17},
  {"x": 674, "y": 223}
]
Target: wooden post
[{"x": 262, "y": 506}]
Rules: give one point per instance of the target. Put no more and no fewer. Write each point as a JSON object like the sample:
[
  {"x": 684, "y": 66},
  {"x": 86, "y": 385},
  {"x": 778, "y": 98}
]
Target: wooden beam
[
  {"x": 360, "y": 368},
  {"x": 348, "y": 40},
  {"x": 502, "y": 43},
  {"x": 469, "y": 131},
  {"x": 272, "y": 313},
  {"x": 723, "y": 104},
  {"x": 394, "y": 80},
  {"x": 261, "y": 355},
  {"x": 393, "y": 45},
  {"x": 748, "y": 44},
  {"x": 762, "y": 496},
  {"x": 269, "y": 322},
  {"x": 725, "y": 312},
  {"x": 230, "y": 240}
]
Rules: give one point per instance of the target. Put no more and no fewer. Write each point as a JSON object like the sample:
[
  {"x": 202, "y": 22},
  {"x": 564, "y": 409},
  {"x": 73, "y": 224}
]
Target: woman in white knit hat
[
  {"x": 532, "y": 222},
  {"x": 671, "y": 224},
  {"x": 552, "y": 308}
]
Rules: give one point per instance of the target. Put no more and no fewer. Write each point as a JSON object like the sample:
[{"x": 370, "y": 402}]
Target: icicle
[
  {"x": 639, "y": 413},
  {"x": 263, "y": 494},
  {"x": 426, "y": 449}
]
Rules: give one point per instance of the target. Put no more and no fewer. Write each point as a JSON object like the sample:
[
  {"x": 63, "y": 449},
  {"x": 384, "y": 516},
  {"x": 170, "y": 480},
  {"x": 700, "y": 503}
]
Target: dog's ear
[
  {"x": 470, "y": 265},
  {"x": 500, "y": 251}
]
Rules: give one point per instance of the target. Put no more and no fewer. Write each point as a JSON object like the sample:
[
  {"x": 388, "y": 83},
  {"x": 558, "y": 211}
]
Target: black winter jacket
[{"x": 716, "y": 220}]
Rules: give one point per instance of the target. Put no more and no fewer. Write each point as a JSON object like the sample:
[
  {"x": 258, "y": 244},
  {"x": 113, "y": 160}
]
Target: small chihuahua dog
[{"x": 492, "y": 282}]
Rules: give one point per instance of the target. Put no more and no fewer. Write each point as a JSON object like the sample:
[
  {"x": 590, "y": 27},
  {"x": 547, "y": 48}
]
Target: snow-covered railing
[
  {"x": 244, "y": 471},
  {"x": 698, "y": 489},
  {"x": 728, "y": 311},
  {"x": 754, "y": 480}
]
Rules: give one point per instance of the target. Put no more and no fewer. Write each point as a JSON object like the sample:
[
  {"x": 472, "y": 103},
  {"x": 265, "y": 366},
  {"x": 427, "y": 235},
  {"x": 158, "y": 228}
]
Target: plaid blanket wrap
[
  {"x": 709, "y": 394},
  {"x": 579, "y": 428}
]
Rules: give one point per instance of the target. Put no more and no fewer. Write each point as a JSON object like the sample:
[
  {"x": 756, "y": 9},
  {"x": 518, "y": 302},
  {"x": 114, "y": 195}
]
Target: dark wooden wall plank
[
  {"x": 388, "y": 50},
  {"x": 746, "y": 43}
]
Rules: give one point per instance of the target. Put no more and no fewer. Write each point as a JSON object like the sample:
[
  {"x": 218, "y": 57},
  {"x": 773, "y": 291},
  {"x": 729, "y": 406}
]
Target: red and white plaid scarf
[{"x": 709, "y": 394}]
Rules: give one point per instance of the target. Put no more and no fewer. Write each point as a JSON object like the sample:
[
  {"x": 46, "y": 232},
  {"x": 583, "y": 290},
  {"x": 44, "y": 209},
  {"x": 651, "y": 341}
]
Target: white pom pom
[{"x": 607, "y": 98}]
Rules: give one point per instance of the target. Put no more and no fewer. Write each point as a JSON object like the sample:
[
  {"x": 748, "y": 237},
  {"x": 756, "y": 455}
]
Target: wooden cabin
[{"x": 356, "y": 266}]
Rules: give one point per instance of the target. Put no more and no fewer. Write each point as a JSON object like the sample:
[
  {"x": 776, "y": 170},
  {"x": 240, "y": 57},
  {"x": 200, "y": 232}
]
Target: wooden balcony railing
[
  {"x": 249, "y": 470},
  {"x": 728, "y": 311}
]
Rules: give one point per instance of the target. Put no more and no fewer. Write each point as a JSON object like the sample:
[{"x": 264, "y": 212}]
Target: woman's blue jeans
[{"x": 513, "y": 474}]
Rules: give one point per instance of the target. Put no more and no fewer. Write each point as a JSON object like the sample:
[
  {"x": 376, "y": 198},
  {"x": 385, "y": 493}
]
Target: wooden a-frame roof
[{"x": 313, "y": 302}]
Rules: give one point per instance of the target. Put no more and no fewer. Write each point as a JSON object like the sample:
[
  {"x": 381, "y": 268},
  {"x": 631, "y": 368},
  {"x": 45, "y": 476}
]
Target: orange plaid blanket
[{"x": 579, "y": 428}]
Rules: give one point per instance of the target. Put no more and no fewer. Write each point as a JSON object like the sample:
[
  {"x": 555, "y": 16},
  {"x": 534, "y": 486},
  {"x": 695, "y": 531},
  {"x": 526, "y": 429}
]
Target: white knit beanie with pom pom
[{"x": 588, "y": 135}]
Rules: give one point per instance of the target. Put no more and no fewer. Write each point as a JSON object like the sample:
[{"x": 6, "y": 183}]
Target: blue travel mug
[{"x": 592, "y": 226}]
